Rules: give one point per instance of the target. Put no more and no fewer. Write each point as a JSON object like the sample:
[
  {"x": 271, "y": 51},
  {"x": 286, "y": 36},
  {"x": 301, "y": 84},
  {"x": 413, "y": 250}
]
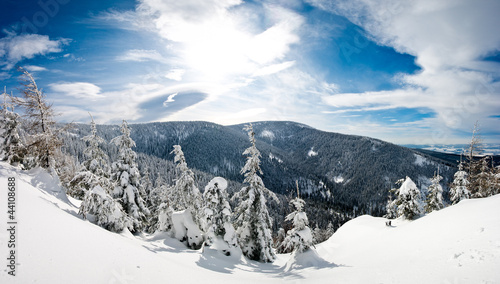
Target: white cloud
[
  {"x": 141, "y": 55},
  {"x": 19, "y": 47},
  {"x": 175, "y": 74},
  {"x": 34, "y": 68},
  {"x": 80, "y": 90},
  {"x": 170, "y": 99},
  {"x": 219, "y": 41},
  {"x": 449, "y": 40}
]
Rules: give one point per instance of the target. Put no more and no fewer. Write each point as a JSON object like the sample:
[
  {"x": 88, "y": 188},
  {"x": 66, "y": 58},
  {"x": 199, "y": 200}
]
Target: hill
[
  {"x": 458, "y": 244},
  {"x": 357, "y": 171}
]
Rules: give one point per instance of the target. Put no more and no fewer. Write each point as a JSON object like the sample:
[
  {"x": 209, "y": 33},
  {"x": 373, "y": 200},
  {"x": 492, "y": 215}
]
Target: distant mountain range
[{"x": 346, "y": 172}]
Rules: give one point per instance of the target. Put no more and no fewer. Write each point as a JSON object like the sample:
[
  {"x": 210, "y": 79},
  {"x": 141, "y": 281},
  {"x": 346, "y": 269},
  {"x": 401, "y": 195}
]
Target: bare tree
[
  {"x": 42, "y": 141},
  {"x": 474, "y": 149}
]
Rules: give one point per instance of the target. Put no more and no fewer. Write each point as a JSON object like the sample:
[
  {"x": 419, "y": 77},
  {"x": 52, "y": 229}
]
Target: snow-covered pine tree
[
  {"x": 106, "y": 211},
  {"x": 42, "y": 139},
  {"x": 220, "y": 233},
  {"x": 483, "y": 179},
  {"x": 12, "y": 150},
  {"x": 160, "y": 218},
  {"x": 95, "y": 168},
  {"x": 458, "y": 189},
  {"x": 165, "y": 212},
  {"x": 253, "y": 222},
  {"x": 299, "y": 238},
  {"x": 434, "y": 200},
  {"x": 391, "y": 207},
  {"x": 409, "y": 200},
  {"x": 278, "y": 241},
  {"x": 125, "y": 174},
  {"x": 185, "y": 196}
]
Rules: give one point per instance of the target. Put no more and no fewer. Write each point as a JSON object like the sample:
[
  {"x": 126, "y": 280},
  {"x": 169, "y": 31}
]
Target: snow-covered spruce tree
[
  {"x": 299, "y": 238},
  {"x": 392, "y": 206},
  {"x": 278, "y": 241},
  {"x": 186, "y": 197},
  {"x": 220, "y": 233},
  {"x": 253, "y": 222},
  {"x": 458, "y": 189},
  {"x": 409, "y": 200},
  {"x": 42, "y": 139},
  {"x": 12, "y": 150},
  {"x": 106, "y": 211},
  {"x": 434, "y": 200},
  {"x": 483, "y": 180},
  {"x": 160, "y": 218},
  {"x": 125, "y": 174},
  {"x": 95, "y": 168}
]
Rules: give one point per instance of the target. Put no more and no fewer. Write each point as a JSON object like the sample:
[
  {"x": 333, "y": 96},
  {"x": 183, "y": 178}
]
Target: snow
[
  {"x": 221, "y": 183},
  {"x": 458, "y": 244},
  {"x": 338, "y": 179},
  {"x": 267, "y": 133},
  {"x": 312, "y": 153},
  {"x": 420, "y": 161}
]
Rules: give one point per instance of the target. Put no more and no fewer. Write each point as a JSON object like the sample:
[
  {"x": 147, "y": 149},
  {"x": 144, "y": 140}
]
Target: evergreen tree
[
  {"x": 42, "y": 139},
  {"x": 217, "y": 214},
  {"x": 253, "y": 222},
  {"x": 12, "y": 150},
  {"x": 125, "y": 174},
  {"x": 278, "y": 242},
  {"x": 165, "y": 212},
  {"x": 107, "y": 212},
  {"x": 392, "y": 207},
  {"x": 458, "y": 190},
  {"x": 186, "y": 196},
  {"x": 409, "y": 200},
  {"x": 483, "y": 180},
  {"x": 95, "y": 168},
  {"x": 156, "y": 197},
  {"x": 299, "y": 238},
  {"x": 434, "y": 199}
]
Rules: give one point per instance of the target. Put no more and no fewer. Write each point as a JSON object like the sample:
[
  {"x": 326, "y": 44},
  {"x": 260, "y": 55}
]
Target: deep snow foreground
[{"x": 459, "y": 244}]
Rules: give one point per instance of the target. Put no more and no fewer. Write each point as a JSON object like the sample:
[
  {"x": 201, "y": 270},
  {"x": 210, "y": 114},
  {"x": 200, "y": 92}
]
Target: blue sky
[{"x": 420, "y": 72}]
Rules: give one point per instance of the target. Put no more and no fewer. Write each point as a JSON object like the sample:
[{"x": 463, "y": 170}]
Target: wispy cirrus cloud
[
  {"x": 141, "y": 55},
  {"x": 449, "y": 39}
]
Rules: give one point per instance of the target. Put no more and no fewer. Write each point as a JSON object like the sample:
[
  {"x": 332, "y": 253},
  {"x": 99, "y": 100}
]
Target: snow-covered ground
[{"x": 459, "y": 244}]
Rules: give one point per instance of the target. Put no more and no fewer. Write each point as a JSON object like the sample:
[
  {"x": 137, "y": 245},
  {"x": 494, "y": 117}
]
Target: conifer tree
[
  {"x": 253, "y": 222},
  {"x": 392, "y": 207},
  {"x": 186, "y": 196},
  {"x": 12, "y": 149},
  {"x": 458, "y": 189},
  {"x": 483, "y": 180},
  {"x": 107, "y": 212},
  {"x": 125, "y": 174},
  {"x": 217, "y": 214},
  {"x": 160, "y": 218},
  {"x": 95, "y": 168},
  {"x": 299, "y": 238},
  {"x": 434, "y": 199},
  {"x": 409, "y": 200}
]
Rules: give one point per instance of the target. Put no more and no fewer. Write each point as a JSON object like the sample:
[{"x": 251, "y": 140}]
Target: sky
[{"x": 407, "y": 72}]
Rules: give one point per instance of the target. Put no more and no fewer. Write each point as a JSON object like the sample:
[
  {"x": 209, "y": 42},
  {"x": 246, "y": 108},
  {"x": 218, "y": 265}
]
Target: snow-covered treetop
[
  {"x": 125, "y": 143},
  {"x": 407, "y": 187}
]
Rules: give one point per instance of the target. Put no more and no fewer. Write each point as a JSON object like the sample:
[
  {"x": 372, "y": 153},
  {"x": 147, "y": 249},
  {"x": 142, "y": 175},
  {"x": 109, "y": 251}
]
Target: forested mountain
[{"x": 349, "y": 174}]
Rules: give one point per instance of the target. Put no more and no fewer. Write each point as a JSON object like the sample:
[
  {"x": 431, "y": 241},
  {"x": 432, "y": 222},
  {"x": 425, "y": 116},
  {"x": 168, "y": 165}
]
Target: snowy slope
[{"x": 460, "y": 244}]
